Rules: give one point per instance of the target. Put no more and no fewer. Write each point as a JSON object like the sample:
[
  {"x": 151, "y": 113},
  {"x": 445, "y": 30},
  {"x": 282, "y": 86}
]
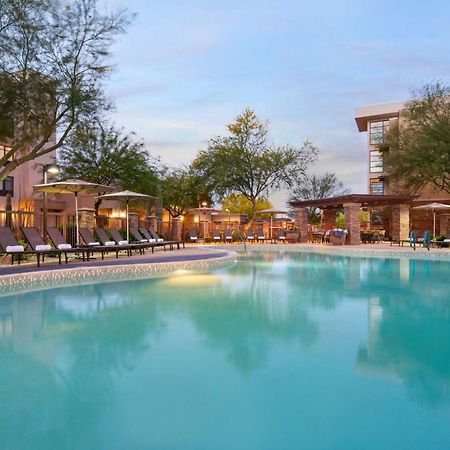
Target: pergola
[{"x": 352, "y": 204}]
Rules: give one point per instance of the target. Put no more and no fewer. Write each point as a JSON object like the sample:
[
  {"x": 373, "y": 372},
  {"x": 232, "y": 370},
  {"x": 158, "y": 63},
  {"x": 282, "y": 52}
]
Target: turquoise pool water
[{"x": 280, "y": 351}]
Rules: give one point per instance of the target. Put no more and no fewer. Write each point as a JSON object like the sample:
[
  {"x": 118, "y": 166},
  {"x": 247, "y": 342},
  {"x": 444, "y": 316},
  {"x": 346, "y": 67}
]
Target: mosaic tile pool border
[{"x": 32, "y": 281}]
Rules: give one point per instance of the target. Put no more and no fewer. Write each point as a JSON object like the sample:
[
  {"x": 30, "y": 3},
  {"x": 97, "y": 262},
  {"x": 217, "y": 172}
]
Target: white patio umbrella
[
  {"x": 433, "y": 207},
  {"x": 126, "y": 196},
  {"x": 272, "y": 211},
  {"x": 72, "y": 187}
]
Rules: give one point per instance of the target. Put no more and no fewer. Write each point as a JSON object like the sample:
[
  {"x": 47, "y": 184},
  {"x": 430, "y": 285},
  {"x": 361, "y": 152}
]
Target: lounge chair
[
  {"x": 411, "y": 239},
  {"x": 260, "y": 235},
  {"x": 38, "y": 245},
  {"x": 281, "y": 236},
  {"x": 250, "y": 236},
  {"x": 107, "y": 242},
  {"x": 425, "y": 240},
  {"x": 10, "y": 246},
  {"x": 159, "y": 239},
  {"x": 133, "y": 245},
  {"x": 155, "y": 241},
  {"x": 216, "y": 237},
  {"x": 90, "y": 242},
  {"x": 228, "y": 236},
  {"x": 193, "y": 235},
  {"x": 60, "y": 243}
]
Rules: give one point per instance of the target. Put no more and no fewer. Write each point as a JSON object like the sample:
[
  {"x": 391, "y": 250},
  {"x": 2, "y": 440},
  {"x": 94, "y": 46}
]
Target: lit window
[
  {"x": 376, "y": 161},
  {"x": 377, "y": 131},
  {"x": 376, "y": 186}
]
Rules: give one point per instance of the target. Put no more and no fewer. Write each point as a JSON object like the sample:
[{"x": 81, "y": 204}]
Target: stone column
[
  {"x": 329, "y": 218},
  {"x": 86, "y": 218},
  {"x": 352, "y": 224},
  {"x": 444, "y": 220},
  {"x": 400, "y": 222},
  {"x": 133, "y": 219},
  {"x": 301, "y": 222},
  {"x": 177, "y": 226},
  {"x": 153, "y": 222}
]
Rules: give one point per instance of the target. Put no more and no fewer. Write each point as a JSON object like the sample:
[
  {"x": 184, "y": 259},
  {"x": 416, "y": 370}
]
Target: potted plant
[
  {"x": 292, "y": 234},
  {"x": 337, "y": 236}
]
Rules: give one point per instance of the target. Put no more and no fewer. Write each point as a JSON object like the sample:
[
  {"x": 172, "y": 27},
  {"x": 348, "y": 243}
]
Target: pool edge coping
[{"x": 11, "y": 284}]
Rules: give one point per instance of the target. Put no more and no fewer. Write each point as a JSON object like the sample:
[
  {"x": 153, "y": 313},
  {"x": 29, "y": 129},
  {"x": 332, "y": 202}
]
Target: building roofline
[{"x": 365, "y": 114}]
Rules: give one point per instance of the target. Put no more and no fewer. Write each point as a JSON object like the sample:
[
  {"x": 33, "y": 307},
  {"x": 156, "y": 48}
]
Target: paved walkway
[{"x": 188, "y": 254}]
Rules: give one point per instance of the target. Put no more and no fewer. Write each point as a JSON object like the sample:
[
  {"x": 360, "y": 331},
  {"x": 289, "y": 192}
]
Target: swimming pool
[{"x": 279, "y": 351}]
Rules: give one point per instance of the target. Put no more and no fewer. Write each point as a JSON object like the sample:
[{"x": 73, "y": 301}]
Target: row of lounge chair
[
  {"x": 108, "y": 241},
  {"x": 228, "y": 236}
]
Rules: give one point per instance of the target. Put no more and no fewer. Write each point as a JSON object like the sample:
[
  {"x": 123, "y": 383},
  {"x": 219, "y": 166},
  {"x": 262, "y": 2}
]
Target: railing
[{"x": 239, "y": 235}]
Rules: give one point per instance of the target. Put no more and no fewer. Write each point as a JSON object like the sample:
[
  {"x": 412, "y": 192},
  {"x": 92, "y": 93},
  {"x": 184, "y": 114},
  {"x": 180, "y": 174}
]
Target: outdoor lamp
[{"x": 46, "y": 169}]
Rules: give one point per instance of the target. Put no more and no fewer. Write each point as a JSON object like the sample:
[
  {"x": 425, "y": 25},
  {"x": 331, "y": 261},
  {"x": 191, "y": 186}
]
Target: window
[
  {"x": 377, "y": 131},
  {"x": 3, "y": 150},
  {"x": 376, "y": 186},
  {"x": 376, "y": 161},
  {"x": 7, "y": 187}
]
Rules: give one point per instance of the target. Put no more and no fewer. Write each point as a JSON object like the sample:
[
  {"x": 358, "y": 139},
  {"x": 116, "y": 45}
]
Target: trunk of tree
[{"x": 98, "y": 202}]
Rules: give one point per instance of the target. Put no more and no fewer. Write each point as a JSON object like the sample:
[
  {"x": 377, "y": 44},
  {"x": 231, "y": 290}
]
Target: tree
[
  {"x": 182, "y": 190},
  {"x": 417, "y": 151},
  {"x": 107, "y": 156},
  {"x": 54, "y": 58},
  {"x": 312, "y": 187},
  {"x": 237, "y": 203},
  {"x": 248, "y": 163}
]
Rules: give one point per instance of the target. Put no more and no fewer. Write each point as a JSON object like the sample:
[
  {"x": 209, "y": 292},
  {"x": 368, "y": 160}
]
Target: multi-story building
[{"x": 376, "y": 120}]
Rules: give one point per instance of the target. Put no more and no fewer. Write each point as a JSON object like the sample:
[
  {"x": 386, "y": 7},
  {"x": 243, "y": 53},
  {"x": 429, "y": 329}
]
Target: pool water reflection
[{"x": 280, "y": 351}]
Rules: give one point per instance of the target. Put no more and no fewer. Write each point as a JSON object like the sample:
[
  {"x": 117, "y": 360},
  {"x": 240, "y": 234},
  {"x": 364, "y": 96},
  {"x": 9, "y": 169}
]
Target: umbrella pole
[
  {"x": 76, "y": 219},
  {"x": 271, "y": 225},
  {"x": 434, "y": 223},
  {"x": 128, "y": 226}
]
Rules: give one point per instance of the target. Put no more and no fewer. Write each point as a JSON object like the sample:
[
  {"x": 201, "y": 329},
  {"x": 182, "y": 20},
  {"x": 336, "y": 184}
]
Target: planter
[
  {"x": 337, "y": 240},
  {"x": 292, "y": 236}
]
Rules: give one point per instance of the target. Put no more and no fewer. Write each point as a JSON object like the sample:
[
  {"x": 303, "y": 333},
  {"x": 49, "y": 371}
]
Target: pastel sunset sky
[{"x": 185, "y": 69}]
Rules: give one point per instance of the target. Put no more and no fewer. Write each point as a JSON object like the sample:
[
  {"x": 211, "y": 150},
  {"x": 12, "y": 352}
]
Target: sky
[{"x": 186, "y": 69}]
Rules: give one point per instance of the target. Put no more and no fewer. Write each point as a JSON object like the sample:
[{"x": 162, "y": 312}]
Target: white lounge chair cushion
[
  {"x": 446, "y": 240},
  {"x": 193, "y": 238},
  {"x": 250, "y": 238},
  {"x": 144, "y": 240},
  {"x": 123, "y": 243},
  {"x": 15, "y": 248},
  {"x": 228, "y": 238},
  {"x": 261, "y": 237},
  {"x": 64, "y": 246},
  {"x": 160, "y": 240},
  {"x": 110, "y": 243},
  {"x": 281, "y": 238},
  {"x": 94, "y": 243},
  {"x": 43, "y": 248},
  {"x": 217, "y": 238},
  {"x": 152, "y": 240}
]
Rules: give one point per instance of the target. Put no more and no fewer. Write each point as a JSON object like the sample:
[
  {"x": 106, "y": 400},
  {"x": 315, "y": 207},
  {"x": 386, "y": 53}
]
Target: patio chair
[
  {"x": 10, "y": 246},
  {"x": 158, "y": 238},
  {"x": 228, "y": 236},
  {"x": 260, "y": 235},
  {"x": 138, "y": 236},
  {"x": 250, "y": 235},
  {"x": 60, "y": 243},
  {"x": 193, "y": 235},
  {"x": 38, "y": 245},
  {"x": 425, "y": 240}
]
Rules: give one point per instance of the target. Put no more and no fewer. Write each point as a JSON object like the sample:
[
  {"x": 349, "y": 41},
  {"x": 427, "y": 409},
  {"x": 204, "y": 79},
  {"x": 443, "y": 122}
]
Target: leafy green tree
[
  {"x": 182, "y": 190},
  {"x": 246, "y": 162},
  {"x": 54, "y": 59},
  {"x": 107, "y": 156},
  {"x": 417, "y": 151},
  {"x": 237, "y": 203},
  {"x": 312, "y": 187}
]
